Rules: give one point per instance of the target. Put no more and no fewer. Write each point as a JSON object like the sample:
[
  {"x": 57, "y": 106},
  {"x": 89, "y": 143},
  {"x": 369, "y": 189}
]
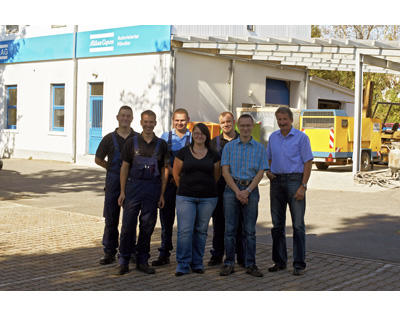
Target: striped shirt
[{"x": 244, "y": 159}]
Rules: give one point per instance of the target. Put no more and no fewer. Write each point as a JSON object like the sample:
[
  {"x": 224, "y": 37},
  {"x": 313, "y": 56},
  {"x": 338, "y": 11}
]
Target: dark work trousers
[
  {"x": 218, "y": 220},
  {"x": 141, "y": 201},
  {"x": 111, "y": 213},
  {"x": 111, "y": 209},
  {"x": 167, "y": 218}
]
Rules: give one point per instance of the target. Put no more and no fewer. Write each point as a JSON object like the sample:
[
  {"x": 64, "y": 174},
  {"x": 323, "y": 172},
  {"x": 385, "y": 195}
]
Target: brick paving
[{"x": 43, "y": 248}]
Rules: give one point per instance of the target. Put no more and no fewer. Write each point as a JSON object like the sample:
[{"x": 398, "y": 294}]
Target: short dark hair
[
  {"x": 203, "y": 129},
  {"x": 181, "y": 111},
  {"x": 284, "y": 110},
  {"x": 149, "y": 113},
  {"x": 125, "y": 107},
  {"x": 246, "y": 116}
]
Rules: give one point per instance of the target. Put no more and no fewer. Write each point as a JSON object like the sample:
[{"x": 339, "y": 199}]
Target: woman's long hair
[{"x": 204, "y": 130}]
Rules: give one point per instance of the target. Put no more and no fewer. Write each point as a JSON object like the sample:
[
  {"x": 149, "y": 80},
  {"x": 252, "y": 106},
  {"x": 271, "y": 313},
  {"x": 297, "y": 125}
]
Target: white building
[{"x": 61, "y": 87}]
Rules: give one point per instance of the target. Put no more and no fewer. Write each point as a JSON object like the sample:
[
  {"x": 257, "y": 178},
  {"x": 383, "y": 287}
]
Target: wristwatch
[
  {"x": 304, "y": 186},
  {"x": 248, "y": 190}
]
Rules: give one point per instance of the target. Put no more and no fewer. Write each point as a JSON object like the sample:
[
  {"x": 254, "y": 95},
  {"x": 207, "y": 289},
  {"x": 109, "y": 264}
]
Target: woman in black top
[{"x": 196, "y": 171}]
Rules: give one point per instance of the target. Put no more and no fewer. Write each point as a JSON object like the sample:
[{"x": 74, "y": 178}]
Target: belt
[{"x": 242, "y": 182}]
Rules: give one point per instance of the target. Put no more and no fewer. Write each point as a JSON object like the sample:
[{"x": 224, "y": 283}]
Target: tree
[{"x": 387, "y": 87}]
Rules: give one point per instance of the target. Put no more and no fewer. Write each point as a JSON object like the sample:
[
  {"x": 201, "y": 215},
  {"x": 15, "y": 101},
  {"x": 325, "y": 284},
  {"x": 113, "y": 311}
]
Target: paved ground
[{"x": 51, "y": 227}]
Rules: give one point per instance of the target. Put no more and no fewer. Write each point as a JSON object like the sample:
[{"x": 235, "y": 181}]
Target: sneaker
[
  {"x": 107, "y": 259},
  {"x": 144, "y": 267},
  {"x": 253, "y": 270},
  {"x": 199, "y": 271},
  {"x": 226, "y": 270},
  {"x": 160, "y": 261}
]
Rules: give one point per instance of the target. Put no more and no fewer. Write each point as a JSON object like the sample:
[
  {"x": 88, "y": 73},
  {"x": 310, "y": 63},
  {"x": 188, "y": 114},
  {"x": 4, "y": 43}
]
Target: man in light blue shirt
[
  {"x": 176, "y": 139},
  {"x": 243, "y": 164},
  {"x": 290, "y": 159}
]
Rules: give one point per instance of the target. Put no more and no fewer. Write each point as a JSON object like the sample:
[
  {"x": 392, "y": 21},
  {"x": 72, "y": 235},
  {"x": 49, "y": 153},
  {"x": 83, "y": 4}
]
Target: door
[
  {"x": 95, "y": 116},
  {"x": 277, "y": 92}
]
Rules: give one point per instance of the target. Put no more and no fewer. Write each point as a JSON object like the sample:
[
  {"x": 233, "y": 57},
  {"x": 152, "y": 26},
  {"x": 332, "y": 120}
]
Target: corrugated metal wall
[{"x": 296, "y": 31}]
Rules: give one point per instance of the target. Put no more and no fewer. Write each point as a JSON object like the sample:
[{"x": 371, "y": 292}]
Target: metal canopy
[{"x": 316, "y": 53}]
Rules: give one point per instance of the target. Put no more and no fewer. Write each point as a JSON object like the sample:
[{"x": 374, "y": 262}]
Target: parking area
[{"x": 51, "y": 227}]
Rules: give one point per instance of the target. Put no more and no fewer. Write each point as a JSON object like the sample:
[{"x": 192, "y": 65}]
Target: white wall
[
  {"x": 203, "y": 86},
  {"x": 140, "y": 81},
  {"x": 33, "y": 136},
  {"x": 251, "y": 76},
  {"x": 317, "y": 91}
]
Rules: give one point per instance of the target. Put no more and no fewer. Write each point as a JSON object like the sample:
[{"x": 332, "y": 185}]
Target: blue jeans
[
  {"x": 282, "y": 191},
  {"x": 193, "y": 216},
  {"x": 232, "y": 209}
]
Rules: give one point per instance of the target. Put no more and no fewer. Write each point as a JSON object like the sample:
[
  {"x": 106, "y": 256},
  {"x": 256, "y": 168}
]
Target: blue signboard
[
  {"x": 37, "y": 48},
  {"x": 124, "y": 40},
  {"x": 108, "y": 42}
]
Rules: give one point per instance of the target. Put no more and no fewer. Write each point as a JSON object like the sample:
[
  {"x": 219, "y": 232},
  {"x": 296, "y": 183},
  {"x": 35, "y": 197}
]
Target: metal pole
[
  {"x": 231, "y": 78},
  {"x": 74, "y": 97},
  {"x": 172, "y": 88},
  {"x": 357, "y": 114}
]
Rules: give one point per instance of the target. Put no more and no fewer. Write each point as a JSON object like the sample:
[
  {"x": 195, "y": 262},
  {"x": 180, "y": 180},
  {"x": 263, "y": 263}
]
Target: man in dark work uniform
[
  {"x": 144, "y": 174},
  {"x": 111, "y": 146}
]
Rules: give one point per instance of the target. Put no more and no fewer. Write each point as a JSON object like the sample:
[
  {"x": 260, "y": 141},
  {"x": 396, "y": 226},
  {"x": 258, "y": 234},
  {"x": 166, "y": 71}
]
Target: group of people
[{"x": 202, "y": 178}]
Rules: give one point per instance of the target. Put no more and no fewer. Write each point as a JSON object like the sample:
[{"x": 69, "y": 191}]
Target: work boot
[
  {"x": 160, "y": 261},
  {"x": 226, "y": 270},
  {"x": 214, "y": 261},
  {"x": 276, "y": 268},
  {"x": 122, "y": 269},
  {"x": 107, "y": 259},
  {"x": 254, "y": 271},
  {"x": 144, "y": 267}
]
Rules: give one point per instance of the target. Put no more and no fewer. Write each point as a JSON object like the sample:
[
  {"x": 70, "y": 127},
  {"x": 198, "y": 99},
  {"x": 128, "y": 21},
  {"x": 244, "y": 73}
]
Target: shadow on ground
[{"x": 15, "y": 185}]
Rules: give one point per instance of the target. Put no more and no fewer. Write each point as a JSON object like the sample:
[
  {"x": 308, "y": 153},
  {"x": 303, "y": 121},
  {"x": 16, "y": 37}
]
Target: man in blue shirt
[
  {"x": 243, "y": 164},
  {"x": 290, "y": 158},
  {"x": 176, "y": 139}
]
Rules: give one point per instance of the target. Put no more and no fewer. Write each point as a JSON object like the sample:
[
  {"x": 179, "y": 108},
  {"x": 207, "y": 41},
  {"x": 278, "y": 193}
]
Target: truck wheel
[
  {"x": 365, "y": 161},
  {"x": 321, "y": 165}
]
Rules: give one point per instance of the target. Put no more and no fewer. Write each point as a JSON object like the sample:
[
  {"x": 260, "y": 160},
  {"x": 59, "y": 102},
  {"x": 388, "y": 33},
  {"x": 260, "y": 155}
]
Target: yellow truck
[{"x": 331, "y": 136}]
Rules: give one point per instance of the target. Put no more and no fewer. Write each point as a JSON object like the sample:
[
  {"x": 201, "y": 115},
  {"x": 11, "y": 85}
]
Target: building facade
[{"x": 61, "y": 86}]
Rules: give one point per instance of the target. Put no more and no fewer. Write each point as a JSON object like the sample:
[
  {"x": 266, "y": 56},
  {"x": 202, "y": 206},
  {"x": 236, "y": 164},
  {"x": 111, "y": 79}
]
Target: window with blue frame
[
  {"x": 11, "y": 107},
  {"x": 58, "y": 103}
]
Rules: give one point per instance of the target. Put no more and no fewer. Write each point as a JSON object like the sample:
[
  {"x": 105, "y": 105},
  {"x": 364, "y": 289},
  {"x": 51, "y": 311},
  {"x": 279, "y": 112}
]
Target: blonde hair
[{"x": 223, "y": 114}]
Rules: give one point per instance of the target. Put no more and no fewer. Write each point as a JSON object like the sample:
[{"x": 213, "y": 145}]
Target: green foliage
[{"x": 387, "y": 87}]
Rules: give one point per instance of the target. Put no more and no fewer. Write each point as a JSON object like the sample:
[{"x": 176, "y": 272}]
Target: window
[
  {"x": 58, "y": 102},
  {"x": 11, "y": 107},
  {"x": 251, "y": 28},
  {"x": 324, "y": 104},
  {"x": 12, "y": 29}
]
